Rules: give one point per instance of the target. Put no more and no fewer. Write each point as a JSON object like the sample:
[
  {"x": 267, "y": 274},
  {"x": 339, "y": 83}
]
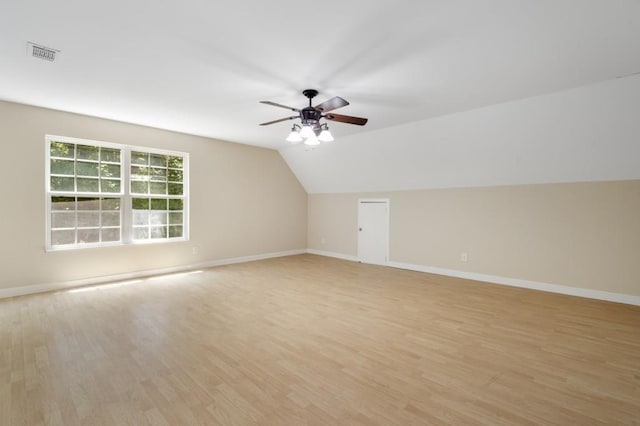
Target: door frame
[{"x": 388, "y": 225}]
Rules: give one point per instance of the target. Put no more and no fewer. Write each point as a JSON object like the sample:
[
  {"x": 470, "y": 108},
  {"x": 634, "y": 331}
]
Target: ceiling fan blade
[
  {"x": 280, "y": 105},
  {"x": 331, "y": 104},
  {"x": 346, "y": 119},
  {"x": 278, "y": 121}
]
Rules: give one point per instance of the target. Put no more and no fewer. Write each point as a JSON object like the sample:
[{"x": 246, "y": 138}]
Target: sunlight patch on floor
[{"x": 103, "y": 286}]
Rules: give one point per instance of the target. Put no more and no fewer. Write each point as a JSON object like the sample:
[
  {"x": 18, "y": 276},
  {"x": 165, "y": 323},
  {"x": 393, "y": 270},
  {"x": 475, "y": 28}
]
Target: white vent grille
[{"x": 41, "y": 52}]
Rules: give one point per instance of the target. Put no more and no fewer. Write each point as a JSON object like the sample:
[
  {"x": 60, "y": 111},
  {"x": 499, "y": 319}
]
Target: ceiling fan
[{"x": 312, "y": 132}]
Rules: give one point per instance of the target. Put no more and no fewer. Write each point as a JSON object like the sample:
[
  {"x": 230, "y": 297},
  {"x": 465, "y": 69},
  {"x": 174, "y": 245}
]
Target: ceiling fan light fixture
[
  {"x": 307, "y": 132},
  {"x": 294, "y": 136},
  {"x": 311, "y": 140},
  {"x": 325, "y": 134}
]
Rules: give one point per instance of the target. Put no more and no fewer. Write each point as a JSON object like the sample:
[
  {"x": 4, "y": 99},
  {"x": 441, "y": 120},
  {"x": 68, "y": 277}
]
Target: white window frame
[{"x": 126, "y": 215}]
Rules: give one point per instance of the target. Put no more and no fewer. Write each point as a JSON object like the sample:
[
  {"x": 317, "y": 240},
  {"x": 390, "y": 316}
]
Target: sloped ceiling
[
  {"x": 590, "y": 133},
  {"x": 200, "y": 67}
]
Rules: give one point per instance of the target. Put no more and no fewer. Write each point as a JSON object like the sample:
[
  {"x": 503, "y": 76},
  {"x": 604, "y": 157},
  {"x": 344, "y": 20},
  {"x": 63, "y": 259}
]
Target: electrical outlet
[
  {"x": 194, "y": 250},
  {"x": 322, "y": 240},
  {"x": 463, "y": 257}
]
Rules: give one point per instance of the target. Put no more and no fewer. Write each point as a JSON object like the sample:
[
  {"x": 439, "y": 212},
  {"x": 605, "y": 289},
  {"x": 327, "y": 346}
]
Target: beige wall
[
  {"x": 244, "y": 201},
  {"x": 583, "y": 235}
]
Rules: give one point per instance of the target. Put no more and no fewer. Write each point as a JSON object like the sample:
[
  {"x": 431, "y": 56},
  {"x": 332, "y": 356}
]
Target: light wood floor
[{"x": 313, "y": 340}]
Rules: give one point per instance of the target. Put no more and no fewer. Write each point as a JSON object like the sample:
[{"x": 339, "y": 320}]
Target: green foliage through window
[{"x": 87, "y": 194}]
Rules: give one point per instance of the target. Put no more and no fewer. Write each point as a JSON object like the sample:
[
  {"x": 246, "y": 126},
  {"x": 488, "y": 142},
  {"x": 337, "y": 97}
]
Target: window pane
[
  {"x": 62, "y": 184},
  {"x": 87, "y": 169},
  {"x": 59, "y": 238},
  {"x": 109, "y": 185},
  {"x": 140, "y": 203},
  {"x": 88, "y": 235},
  {"x": 139, "y": 187},
  {"x": 139, "y": 172},
  {"x": 88, "y": 219},
  {"x": 110, "y": 170},
  {"x": 63, "y": 203},
  {"x": 61, "y": 149},
  {"x": 175, "y": 204},
  {"x": 111, "y": 219},
  {"x": 110, "y": 154},
  {"x": 158, "y": 232},
  {"x": 62, "y": 167},
  {"x": 175, "y": 218},
  {"x": 88, "y": 203},
  {"x": 88, "y": 185},
  {"x": 158, "y": 188},
  {"x": 175, "y": 231},
  {"x": 175, "y": 189},
  {"x": 141, "y": 217},
  {"x": 158, "y": 160},
  {"x": 158, "y": 174},
  {"x": 111, "y": 234},
  {"x": 86, "y": 152},
  {"x": 158, "y": 218},
  {"x": 158, "y": 204},
  {"x": 139, "y": 157},
  {"x": 175, "y": 162},
  {"x": 63, "y": 220},
  {"x": 140, "y": 233},
  {"x": 110, "y": 204},
  {"x": 174, "y": 175}
]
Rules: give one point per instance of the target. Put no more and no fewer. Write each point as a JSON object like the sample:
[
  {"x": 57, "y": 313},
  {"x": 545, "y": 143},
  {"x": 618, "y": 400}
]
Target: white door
[{"x": 373, "y": 231}]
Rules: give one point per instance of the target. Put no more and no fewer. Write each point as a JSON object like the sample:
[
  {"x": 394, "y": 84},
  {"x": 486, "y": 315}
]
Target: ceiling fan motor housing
[{"x": 310, "y": 116}]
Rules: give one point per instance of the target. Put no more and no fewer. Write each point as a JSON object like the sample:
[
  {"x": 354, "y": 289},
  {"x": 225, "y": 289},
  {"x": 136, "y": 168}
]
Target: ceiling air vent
[{"x": 41, "y": 52}]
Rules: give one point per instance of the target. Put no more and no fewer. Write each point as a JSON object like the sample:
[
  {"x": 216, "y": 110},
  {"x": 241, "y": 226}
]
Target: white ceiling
[{"x": 201, "y": 66}]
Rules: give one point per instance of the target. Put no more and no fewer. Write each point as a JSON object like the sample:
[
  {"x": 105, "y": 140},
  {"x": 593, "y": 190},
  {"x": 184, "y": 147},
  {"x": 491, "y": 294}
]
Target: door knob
[{"x": 359, "y": 229}]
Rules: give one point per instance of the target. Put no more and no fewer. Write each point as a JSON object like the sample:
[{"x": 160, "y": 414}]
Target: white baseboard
[
  {"x": 244, "y": 259},
  {"x": 333, "y": 254},
  {"x": 55, "y": 286},
  {"x": 515, "y": 282}
]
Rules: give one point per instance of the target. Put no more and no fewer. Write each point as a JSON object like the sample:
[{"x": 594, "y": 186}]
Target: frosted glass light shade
[
  {"x": 325, "y": 136},
  {"x": 306, "y": 132},
  {"x": 312, "y": 140},
  {"x": 294, "y": 137}
]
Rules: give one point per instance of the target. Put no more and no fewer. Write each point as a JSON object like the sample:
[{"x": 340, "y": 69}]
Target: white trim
[
  {"x": 252, "y": 258},
  {"x": 515, "y": 282},
  {"x": 512, "y": 282},
  {"x": 373, "y": 200},
  {"x": 63, "y": 285},
  {"x": 333, "y": 254}
]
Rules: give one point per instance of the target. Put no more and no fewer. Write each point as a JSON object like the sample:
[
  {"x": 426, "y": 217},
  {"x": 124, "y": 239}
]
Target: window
[
  {"x": 157, "y": 188},
  {"x": 101, "y": 194}
]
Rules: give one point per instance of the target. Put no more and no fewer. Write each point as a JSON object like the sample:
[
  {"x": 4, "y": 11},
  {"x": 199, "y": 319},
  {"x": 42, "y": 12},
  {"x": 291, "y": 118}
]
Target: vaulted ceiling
[{"x": 200, "y": 67}]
